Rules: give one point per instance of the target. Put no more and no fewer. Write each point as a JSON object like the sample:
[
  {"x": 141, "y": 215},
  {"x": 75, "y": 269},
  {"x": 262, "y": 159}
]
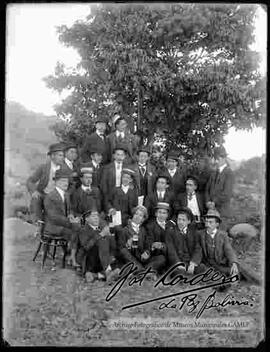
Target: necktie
[
  {"x": 143, "y": 169},
  {"x": 160, "y": 196},
  {"x": 189, "y": 196}
]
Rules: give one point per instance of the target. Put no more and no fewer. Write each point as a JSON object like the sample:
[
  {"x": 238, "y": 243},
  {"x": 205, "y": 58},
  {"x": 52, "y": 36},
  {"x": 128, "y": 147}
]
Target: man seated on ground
[
  {"x": 134, "y": 246},
  {"x": 41, "y": 181},
  {"x": 156, "y": 232},
  {"x": 124, "y": 198},
  {"x": 58, "y": 220},
  {"x": 161, "y": 193},
  {"x": 86, "y": 196},
  {"x": 183, "y": 244},
  {"x": 191, "y": 199},
  {"x": 96, "y": 252}
]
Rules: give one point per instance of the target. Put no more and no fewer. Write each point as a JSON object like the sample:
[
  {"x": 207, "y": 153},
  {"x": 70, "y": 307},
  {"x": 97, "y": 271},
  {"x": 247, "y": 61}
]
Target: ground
[{"x": 57, "y": 308}]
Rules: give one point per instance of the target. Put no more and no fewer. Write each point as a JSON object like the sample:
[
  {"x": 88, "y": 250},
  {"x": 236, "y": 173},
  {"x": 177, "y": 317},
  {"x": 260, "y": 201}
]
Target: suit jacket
[
  {"x": 182, "y": 201},
  {"x": 219, "y": 189},
  {"x": 126, "y": 233},
  {"x": 108, "y": 179},
  {"x": 146, "y": 182},
  {"x": 97, "y": 172},
  {"x": 95, "y": 140},
  {"x": 81, "y": 201},
  {"x": 74, "y": 173},
  {"x": 55, "y": 213},
  {"x": 152, "y": 200},
  {"x": 155, "y": 233},
  {"x": 130, "y": 141},
  {"x": 178, "y": 181},
  {"x": 122, "y": 201},
  {"x": 224, "y": 253},
  {"x": 175, "y": 244},
  {"x": 41, "y": 175}
]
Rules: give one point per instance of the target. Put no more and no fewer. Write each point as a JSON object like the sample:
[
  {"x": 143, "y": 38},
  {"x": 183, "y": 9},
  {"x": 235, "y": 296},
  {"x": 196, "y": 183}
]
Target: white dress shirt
[
  {"x": 192, "y": 204},
  {"x": 118, "y": 172},
  {"x": 125, "y": 188},
  {"x": 135, "y": 227},
  {"x": 162, "y": 224},
  {"x": 61, "y": 192},
  {"x": 213, "y": 233},
  {"x": 120, "y": 134},
  {"x": 51, "y": 184},
  {"x": 172, "y": 172},
  {"x": 69, "y": 163},
  {"x": 86, "y": 188},
  {"x": 100, "y": 135},
  {"x": 160, "y": 194},
  {"x": 95, "y": 164},
  {"x": 221, "y": 168}
]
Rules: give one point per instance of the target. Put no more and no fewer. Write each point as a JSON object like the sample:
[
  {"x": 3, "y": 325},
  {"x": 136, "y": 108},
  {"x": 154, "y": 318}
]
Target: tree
[{"x": 184, "y": 72}]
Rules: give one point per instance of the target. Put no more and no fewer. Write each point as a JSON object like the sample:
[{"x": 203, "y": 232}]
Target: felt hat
[
  {"x": 120, "y": 146},
  {"x": 142, "y": 208},
  {"x": 173, "y": 154},
  {"x": 161, "y": 175},
  {"x": 62, "y": 173},
  {"x": 145, "y": 149},
  {"x": 194, "y": 178},
  {"x": 56, "y": 147},
  {"x": 89, "y": 211},
  {"x": 128, "y": 171},
  {"x": 69, "y": 146},
  {"x": 95, "y": 149},
  {"x": 86, "y": 168},
  {"x": 213, "y": 213},
  {"x": 187, "y": 211},
  {"x": 163, "y": 205}
]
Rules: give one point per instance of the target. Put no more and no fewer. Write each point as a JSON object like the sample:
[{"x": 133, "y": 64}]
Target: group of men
[{"x": 116, "y": 201}]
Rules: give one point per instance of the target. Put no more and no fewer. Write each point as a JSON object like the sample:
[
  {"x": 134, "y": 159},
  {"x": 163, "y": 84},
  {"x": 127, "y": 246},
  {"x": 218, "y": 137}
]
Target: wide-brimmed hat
[
  {"x": 220, "y": 152},
  {"x": 163, "y": 205},
  {"x": 187, "y": 211},
  {"x": 173, "y": 154},
  {"x": 213, "y": 213},
  {"x": 62, "y": 173},
  {"x": 120, "y": 146},
  {"x": 56, "y": 147}
]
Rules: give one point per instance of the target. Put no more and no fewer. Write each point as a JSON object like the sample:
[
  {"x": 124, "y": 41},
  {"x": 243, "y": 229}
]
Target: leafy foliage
[{"x": 182, "y": 71}]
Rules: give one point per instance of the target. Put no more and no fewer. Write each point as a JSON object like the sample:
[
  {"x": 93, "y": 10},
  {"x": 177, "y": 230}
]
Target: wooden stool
[{"x": 50, "y": 240}]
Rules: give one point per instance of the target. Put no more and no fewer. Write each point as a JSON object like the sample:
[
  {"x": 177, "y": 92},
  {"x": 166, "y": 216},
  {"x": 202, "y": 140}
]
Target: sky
[{"x": 33, "y": 50}]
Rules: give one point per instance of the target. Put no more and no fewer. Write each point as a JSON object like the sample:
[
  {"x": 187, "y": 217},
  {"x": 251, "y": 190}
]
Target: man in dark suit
[
  {"x": 86, "y": 196},
  {"x": 183, "y": 244},
  {"x": 97, "y": 139},
  {"x": 176, "y": 174},
  {"x": 121, "y": 135},
  {"x": 145, "y": 173},
  {"x": 97, "y": 252},
  {"x": 71, "y": 164},
  {"x": 156, "y": 231},
  {"x": 57, "y": 213},
  {"x": 161, "y": 193},
  {"x": 41, "y": 181},
  {"x": 112, "y": 173},
  {"x": 219, "y": 188},
  {"x": 96, "y": 165},
  {"x": 217, "y": 251},
  {"x": 191, "y": 199}
]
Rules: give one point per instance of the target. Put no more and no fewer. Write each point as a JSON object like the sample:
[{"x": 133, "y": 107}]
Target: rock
[{"x": 243, "y": 230}]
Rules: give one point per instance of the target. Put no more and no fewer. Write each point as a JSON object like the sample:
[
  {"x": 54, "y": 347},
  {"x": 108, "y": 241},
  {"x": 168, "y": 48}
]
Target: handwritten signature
[{"x": 130, "y": 276}]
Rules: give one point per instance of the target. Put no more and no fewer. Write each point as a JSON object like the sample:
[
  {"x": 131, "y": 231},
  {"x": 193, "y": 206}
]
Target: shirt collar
[
  {"x": 86, "y": 188},
  {"x": 118, "y": 133},
  {"x": 93, "y": 227},
  {"x": 184, "y": 230},
  {"x": 116, "y": 163},
  {"x": 99, "y": 134},
  {"x": 213, "y": 233},
  {"x": 94, "y": 163},
  {"x": 142, "y": 165},
  {"x": 221, "y": 168},
  {"x": 161, "y": 223},
  {"x": 69, "y": 163},
  {"x": 136, "y": 227},
  {"x": 125, "y": 188},
  {"x": 61, "y": 192}
]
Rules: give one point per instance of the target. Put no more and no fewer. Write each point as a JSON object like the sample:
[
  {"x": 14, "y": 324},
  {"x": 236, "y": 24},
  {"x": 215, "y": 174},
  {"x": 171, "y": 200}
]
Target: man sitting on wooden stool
[
  {"x": 57, "y": 213},
  {"x": 96, "y": 253},
  {"x": 41, "y": 181}
]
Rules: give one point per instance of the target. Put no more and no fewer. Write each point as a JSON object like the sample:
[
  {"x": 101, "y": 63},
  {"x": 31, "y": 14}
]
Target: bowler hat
[
  {"x": 101, "y": 119},
  {"x": 187, "y": 211},
  {"x": 118, "y": 119},
  {"x": 145, "y": 149},
  {"x": 56, "y": 147},
  {"x": 95, "y": 149},
  {"x": 213, "y": 213},
  {"x": 89, "y": 211},
  {"x": 120, "y": 146},
  {"x": 163, "y": 205},
  {"x": 173, "y": 155},
  {"x": 69, "y": 146},
  {"x": 62, "y": 173},
  {"x": 163, "y": 176},
  {"x": 220, "y": 152}
]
